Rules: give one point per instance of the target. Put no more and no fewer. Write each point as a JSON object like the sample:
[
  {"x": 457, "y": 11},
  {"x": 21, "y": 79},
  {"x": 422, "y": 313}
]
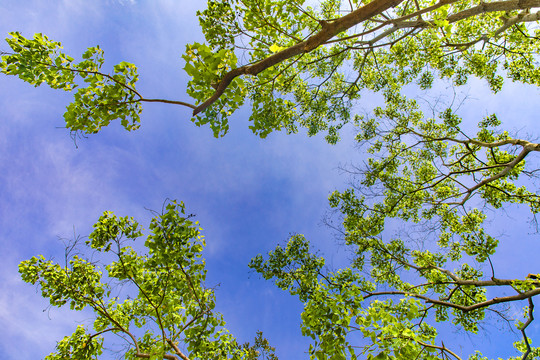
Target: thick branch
[
  {"x": 328, "y": 31},
  {"x": 508, "y": 23},
  {"x": 177, "y": 350},
  {"x": 497, "y": 300},
  {"x": 484, "y": 7},
  {"x": 529, "y": 321}
]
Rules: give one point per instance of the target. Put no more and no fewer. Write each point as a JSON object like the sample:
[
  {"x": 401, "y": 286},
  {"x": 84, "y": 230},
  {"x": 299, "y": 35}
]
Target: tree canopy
[
  {"x": 439, "y": 183},
  {"x": 301, "y": 65},
  {"x": 162, "y": 294}
]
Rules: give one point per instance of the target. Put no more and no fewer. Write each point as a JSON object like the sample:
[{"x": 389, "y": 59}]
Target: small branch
[
  {"x": 174, "y": 102},
  {"x": 177, "y": 350},
  {"x": 148, "y": 356},
  {"x": 526, "y": 144},
  {"x": 529, "y": 321},
  {"x": 502, "y": 173},
  {"x": 104, "y": 331},
  {"x": 129, "y": 88},
  {"x": 188, "y": 278},
  {"x": 195, "y": 318},
  {"x": 423, "y": 11},
  {"x": 442, "y": 348}
]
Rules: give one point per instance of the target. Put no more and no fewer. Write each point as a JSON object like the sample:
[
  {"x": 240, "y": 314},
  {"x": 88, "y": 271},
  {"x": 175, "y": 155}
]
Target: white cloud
[{"x": 126, "y": 2}]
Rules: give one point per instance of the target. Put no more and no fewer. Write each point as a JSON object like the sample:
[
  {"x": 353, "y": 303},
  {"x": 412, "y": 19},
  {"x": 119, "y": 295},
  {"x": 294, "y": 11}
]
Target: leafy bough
[
  {"x": 105, "y": 97},
  {"x": 156, "y": 303},
  {"x": 437, "y": 185},
  {"x": 305, "y": 66}
]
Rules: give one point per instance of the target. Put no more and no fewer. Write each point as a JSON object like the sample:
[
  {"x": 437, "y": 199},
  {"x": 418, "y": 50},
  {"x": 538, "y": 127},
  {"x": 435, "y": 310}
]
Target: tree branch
[
  {"x": 174, "y": 102},
  {"x": 177, "y": 350},
  {"x": 148, "y": 356},
  {"x": 328, "y": 31},
  {"x": 442, "y": 347},
  {"x": 529, "y": 321},
  {"x": 497, "y": 300},
  {"x": 484, "y": 7}
]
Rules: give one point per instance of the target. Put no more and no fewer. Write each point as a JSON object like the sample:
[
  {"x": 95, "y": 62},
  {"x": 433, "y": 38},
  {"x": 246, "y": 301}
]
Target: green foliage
[
  {"x": 162, "y": 302},
  {"x": 103, "y": 98},
  {"x": 305, "y": 66},
  {"x": 317, "y": 88},
  {"x": 206, "y": 66},
  {"x": 426, "y": 175},
  {"x": 302, "y": 65},
  {"x": 79, "y": 345}
]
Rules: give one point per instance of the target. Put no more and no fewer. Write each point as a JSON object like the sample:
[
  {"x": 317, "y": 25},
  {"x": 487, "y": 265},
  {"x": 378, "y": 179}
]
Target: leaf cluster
[
  {"x": 156, "y": 301},
  {"x": 103, "y": 97}
]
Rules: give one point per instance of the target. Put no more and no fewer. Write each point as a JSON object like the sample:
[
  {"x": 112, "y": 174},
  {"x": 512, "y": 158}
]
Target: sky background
[{"x": 248, "y": 194}]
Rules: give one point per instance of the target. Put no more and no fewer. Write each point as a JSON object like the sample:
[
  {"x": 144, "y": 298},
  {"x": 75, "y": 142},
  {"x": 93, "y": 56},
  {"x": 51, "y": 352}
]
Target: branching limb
[
  {"x": 177, "y": 350},
  {"x": 484, "y": 7},
  {"x": 497, "y": 300},
  {"x": 328, "y": 31},
  {"x": 529, "y": 321},
  {"x": 442, "y": 348}
]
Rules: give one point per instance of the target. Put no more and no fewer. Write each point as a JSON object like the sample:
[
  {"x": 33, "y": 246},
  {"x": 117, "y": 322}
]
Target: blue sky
[{"x": 248, "y": 194}]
